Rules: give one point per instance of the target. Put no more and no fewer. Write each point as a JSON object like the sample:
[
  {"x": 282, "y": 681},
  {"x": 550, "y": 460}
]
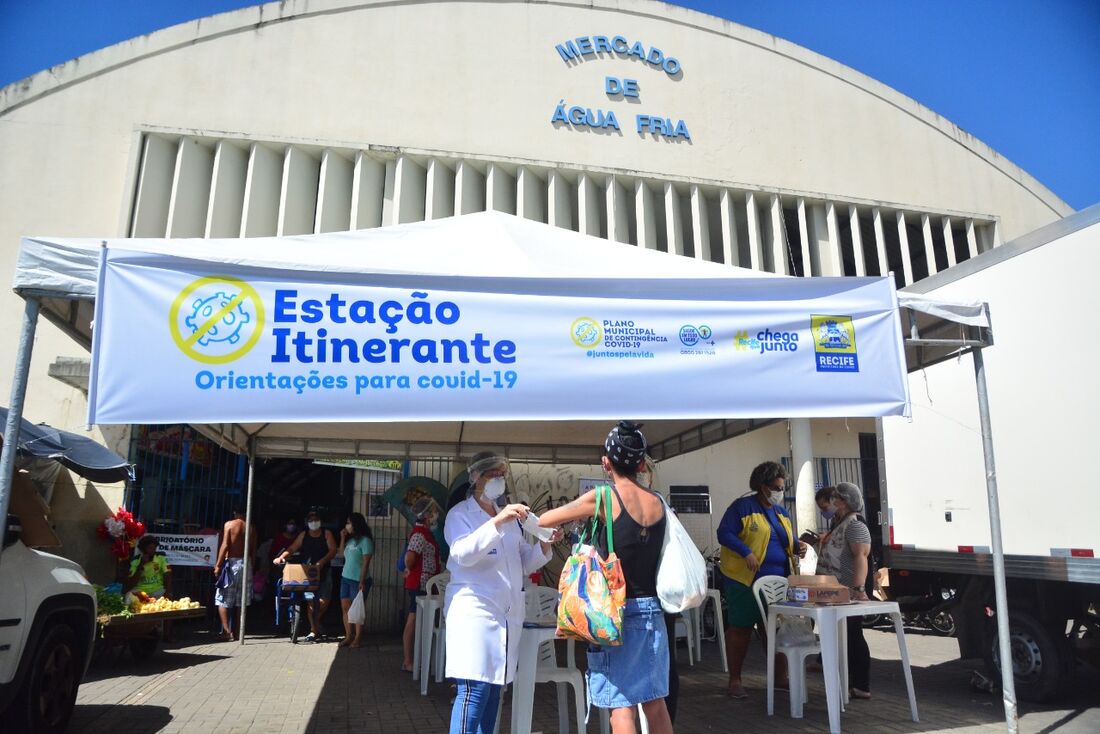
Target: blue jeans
[{"x": 475, "y": 709}]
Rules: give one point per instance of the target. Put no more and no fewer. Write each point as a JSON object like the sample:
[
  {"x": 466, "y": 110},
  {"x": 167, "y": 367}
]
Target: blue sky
[{"x": 1021, "y": 75}]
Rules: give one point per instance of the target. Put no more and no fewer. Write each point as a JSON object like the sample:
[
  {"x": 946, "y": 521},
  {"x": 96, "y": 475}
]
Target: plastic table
[{"x": 830, "y": 620}]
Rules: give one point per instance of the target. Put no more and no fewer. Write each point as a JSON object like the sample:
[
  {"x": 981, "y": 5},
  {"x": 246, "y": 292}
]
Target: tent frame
[{"x": 926, "y": 351}]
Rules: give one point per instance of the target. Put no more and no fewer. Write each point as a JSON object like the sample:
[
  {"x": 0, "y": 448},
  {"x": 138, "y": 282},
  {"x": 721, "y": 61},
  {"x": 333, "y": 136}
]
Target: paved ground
[{"x": 271, "y": 686}]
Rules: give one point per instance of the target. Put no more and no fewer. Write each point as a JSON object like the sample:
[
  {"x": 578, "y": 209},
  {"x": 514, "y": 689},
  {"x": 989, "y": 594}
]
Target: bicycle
[{"x": 293, "y": 593}]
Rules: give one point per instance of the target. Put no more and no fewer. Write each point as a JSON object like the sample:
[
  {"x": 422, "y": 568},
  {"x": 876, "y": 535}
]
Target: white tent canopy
[
  {"x": 62, "y": 273},
  {"x": 61, "y": 278}
]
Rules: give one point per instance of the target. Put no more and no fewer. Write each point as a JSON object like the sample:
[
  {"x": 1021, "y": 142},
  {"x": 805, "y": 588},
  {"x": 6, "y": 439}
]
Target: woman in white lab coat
[{"x": 484, "y": 603}]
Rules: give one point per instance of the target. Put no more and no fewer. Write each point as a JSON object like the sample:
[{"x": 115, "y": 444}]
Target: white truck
[
  {"x": 1044, "y": 397},
  {"x": 47, "y": 632}
]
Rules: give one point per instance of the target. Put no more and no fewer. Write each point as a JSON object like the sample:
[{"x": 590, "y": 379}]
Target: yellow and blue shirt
[{"x": 748, "y": 527}]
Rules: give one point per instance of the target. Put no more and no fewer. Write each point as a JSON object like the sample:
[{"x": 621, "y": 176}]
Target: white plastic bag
[
  {"x": 795, "y": 631},
  {"x": 357, "y": 612},
  {"x": 682, "y": 572}
]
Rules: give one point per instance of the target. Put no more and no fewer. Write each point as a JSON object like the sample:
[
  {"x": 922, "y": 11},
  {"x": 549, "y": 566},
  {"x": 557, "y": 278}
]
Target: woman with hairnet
[
  {"x": 484, "y": 602},
  {"x": 844, "y": 552}
]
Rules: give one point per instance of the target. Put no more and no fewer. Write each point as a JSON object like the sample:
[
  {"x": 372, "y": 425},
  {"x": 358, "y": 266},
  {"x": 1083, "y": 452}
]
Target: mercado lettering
[{"x": 576, "y": 49}]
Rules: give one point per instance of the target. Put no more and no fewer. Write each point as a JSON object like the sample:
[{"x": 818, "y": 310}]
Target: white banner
[
  {"x": 177, "y": 341},
  {"x": 188, "y": 550}
]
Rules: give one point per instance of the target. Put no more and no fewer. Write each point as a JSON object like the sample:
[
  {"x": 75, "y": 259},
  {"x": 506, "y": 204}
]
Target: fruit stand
[{"x": 139, "y": 624}]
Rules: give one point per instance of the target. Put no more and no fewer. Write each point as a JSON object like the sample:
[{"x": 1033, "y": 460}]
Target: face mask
[
  {"x": 828, "y": 514},
  {"x": 494, "y": 488},
  {"x": 291, "y": 528},
  {"x": 776, "y": 497},
  {"x": 642, "y": 479},
  {"x": 314, "y": 524}
]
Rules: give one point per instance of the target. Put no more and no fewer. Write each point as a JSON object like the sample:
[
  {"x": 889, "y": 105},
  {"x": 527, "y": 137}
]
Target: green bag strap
[{"x": 603, "y": 496}]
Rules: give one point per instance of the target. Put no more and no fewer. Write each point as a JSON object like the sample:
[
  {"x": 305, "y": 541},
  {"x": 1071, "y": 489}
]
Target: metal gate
[{"x": 184, "y": 483}]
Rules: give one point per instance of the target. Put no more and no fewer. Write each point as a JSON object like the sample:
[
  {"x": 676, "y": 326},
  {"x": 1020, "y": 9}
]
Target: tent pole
[
  {"x": 15, "y": 405},
  {"x": 246, "y": 592},
  {"x": 1008, "y": 684}
]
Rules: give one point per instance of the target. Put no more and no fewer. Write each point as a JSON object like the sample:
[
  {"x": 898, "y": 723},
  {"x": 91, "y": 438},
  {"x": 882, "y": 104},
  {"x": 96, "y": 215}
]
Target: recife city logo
[
  {"x": 834, "y": 343},
  {"x": 216, "y": 320}
]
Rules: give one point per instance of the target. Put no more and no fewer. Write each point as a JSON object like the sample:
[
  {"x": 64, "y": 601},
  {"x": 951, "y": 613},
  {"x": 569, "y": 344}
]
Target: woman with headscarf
[
  {"x": 635, "y": 672},
  {"x": 844, "y": 552},
  {"x": 484, "y": 603}
]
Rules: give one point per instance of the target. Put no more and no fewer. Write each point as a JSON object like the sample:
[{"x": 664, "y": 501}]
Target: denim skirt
[{"x": 637, "y": 670}]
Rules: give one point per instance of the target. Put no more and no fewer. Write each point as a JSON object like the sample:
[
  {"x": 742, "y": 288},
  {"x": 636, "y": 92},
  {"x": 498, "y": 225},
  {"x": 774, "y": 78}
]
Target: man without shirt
[{"x": 229, "y": 571}]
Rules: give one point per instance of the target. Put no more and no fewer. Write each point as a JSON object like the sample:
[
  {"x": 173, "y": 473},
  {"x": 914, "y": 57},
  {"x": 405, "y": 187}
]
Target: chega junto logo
[
  {"x": 766, "y": 340},
  {"x": 217, "y": 319},
  {"x": 586, "y": 332},
  {"x": 834, "y": 343}
]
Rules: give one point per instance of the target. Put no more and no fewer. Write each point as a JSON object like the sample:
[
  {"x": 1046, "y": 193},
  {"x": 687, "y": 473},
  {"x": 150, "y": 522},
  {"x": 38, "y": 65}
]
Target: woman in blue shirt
[{"x": 357, "y": 547}]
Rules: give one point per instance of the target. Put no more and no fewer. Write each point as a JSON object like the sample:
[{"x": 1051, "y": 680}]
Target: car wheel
[{"x": 45, "y": 702}]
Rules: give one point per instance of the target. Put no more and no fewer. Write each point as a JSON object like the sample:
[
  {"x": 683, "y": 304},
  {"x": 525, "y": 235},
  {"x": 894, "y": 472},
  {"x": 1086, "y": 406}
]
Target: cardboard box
[
  {"x": 817, "y": 590},
  {"x": 301, "y": 577}
]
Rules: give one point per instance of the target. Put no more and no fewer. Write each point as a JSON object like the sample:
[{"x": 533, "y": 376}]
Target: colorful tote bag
[{"x": 593, "y": 590}]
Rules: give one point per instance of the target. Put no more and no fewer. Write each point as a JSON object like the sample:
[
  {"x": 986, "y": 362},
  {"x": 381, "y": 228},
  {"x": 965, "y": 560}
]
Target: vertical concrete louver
[{"x": 200, "y": 186}]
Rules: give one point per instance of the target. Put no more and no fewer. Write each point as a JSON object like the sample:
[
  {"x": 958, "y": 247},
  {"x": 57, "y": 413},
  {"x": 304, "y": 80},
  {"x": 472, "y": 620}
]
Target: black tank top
[
  {"x": 638, "y": 548},
  {"x": 313, "y": 549}
]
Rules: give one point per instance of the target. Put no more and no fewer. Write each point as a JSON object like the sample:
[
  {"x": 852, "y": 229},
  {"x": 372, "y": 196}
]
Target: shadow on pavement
[
  {"x": 137, "y": 719},
  {"x": 121, "y": 663}
]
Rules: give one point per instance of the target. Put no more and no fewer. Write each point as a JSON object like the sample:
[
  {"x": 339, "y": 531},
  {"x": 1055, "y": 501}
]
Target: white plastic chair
[
  {"x": 437, "y": 637},
  {"x": 713, "y": 597},
  {"x": 540, "y": 606},
  {"x": 767, "y": 590},
  {"x": 683, "y": 630}
]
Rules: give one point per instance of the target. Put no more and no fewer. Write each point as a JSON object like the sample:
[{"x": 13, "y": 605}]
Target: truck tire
[
  {"x": 45, "y": 701},
  {"x": 1039, "y": 658}
]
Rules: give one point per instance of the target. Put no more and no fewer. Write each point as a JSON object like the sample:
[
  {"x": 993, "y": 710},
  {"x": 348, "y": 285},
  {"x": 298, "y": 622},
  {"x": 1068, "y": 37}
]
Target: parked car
[{"x": 47, "y": 631}]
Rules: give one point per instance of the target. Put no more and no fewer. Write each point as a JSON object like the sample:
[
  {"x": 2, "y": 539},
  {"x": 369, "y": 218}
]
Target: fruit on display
[{"x": 142, "y": 603}]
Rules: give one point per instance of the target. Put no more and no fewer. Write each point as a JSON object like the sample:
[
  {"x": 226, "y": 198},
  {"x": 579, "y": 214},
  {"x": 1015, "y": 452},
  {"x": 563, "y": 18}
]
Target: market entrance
[{"x": 187, "y": 485}]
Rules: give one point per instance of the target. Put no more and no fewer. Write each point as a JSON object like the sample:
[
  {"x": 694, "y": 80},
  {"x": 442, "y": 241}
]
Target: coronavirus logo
[{"x": 216, "y": 319}]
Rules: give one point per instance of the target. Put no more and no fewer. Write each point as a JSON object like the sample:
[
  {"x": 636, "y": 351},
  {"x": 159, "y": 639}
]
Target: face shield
[{"x": 489, "y": 472}]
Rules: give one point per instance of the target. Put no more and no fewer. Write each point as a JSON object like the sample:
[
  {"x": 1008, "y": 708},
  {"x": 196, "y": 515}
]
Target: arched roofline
[{"x": 255, "y": 17}]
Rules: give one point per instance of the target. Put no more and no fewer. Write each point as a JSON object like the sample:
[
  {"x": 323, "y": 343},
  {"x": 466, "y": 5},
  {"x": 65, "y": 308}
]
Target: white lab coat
[{"x": 484, "y": 600}]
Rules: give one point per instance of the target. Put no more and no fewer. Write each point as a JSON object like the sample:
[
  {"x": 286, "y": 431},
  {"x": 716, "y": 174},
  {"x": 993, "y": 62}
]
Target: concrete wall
[{"x": 725, "y": 467}]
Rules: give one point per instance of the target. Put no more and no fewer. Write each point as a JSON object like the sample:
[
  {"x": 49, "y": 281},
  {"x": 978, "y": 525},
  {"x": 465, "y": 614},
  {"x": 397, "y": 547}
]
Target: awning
[{"x": 80, "y": 454}]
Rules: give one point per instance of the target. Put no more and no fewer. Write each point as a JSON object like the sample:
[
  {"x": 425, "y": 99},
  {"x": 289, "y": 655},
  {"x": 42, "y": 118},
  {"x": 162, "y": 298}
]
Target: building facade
[{"x": 632, "y": 120}]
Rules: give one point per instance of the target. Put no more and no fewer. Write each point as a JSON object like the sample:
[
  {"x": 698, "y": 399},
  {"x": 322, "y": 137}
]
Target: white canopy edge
[{"x": 970, "y": 313}]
